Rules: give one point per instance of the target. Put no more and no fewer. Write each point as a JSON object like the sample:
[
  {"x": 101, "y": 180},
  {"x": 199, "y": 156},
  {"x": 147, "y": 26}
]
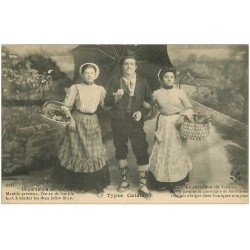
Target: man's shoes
[
  {"x": 123, "y": 187},
  {"x": 144, "y": 192}
]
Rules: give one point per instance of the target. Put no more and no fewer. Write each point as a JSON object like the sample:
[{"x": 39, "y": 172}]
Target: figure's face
[
  {"x": 168, "y": 79},
  {"x": 89, "y": 75},
  {"x": 129, "y": 66}
]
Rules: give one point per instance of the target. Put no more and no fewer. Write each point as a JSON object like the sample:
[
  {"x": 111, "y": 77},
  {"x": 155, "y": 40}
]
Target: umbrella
[{"x": 151, "y": 58}]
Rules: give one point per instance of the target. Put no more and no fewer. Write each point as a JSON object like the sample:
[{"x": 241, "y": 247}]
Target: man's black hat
[{"x": 129, "y": 55}]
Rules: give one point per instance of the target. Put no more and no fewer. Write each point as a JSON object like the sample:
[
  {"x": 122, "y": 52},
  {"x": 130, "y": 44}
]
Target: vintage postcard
[{"x": 124, "y": 124}]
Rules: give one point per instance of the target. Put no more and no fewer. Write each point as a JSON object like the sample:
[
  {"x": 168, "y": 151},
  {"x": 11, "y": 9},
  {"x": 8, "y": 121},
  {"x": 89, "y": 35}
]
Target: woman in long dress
[
  {"x": 82, "y": 155},
  {"x": 169, "y": 162}
]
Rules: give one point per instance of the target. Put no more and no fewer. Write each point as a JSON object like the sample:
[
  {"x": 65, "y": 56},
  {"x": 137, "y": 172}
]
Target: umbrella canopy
[{"x": 151, "y": 58}]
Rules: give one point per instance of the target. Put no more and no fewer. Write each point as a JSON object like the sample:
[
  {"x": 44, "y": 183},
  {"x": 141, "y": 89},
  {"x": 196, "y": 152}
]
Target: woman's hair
[
  {"x": 87, "y": 66},
  {"x": 166, "y": 70}
]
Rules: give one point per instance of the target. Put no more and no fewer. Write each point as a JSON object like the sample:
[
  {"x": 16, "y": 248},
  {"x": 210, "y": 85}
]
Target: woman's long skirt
[
  {"x": 169, "y": 162},
  {"x": 82, "y": 156}
]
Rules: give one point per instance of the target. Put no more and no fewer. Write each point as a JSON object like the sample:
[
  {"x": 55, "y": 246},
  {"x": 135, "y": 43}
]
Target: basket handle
[{"x": 55, "y": 102}]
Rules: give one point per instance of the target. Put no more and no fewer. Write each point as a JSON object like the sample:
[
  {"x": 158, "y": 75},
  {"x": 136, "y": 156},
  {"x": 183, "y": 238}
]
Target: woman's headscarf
[
  {"x": 163, "y": 71},
  {"x": 88, "y": 65}
]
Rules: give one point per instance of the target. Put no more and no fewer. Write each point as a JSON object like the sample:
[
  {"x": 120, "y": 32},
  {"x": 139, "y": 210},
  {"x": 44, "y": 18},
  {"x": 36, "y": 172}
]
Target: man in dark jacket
[{"x": 129, "y": 96}]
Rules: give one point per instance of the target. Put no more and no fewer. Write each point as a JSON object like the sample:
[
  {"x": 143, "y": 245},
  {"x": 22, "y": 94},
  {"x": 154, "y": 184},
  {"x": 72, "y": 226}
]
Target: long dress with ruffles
[
  {"x": 169, "y": 161},
  {"x": 82, "y": 155}
]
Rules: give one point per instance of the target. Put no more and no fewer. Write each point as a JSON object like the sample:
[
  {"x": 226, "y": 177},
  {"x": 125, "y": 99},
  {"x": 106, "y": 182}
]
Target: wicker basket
[
  {"x": 194, "y": 131},
  {"x": 53, "y": 122},
  {"x": 48, "y": 109}
]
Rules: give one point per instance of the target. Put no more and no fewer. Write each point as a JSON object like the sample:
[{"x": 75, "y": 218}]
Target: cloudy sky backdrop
[{"x": 63, "y": 56}]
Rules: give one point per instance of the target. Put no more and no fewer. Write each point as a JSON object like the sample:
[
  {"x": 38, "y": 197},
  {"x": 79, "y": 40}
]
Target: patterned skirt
[
  {"x": 82, "y": 154},
  {"x": 169, "y": 161}
]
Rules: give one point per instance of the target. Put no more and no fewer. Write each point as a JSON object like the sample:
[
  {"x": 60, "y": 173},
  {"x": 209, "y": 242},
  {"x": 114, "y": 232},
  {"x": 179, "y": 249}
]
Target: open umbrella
[{"x": 151, "y": 58}]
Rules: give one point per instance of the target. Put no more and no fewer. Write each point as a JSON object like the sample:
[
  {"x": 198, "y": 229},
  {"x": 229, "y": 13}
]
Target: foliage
[
  {"x": 33, "y": 78},
  {"x": 25, "y": 84},
  {"x": 18, "y": 116},
  {"x": 231, "y": 75}
]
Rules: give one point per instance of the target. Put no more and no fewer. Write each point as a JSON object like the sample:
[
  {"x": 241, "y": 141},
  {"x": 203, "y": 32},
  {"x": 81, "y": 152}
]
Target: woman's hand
[
  {"x": 158, "y": 136},
  {"x": 72, "y": 125},
  {"x": 179, "y": 121},
  {"x": 189, "y": 114}
]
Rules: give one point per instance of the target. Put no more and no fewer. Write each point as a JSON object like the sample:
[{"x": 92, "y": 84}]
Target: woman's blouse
[
  {"x": 86, "y": 97},
  {"x": 171, "y": 101}
]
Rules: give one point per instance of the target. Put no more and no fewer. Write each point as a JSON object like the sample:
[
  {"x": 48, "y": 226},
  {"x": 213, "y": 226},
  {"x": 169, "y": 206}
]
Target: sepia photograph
[{"x": 124, "y": 124}]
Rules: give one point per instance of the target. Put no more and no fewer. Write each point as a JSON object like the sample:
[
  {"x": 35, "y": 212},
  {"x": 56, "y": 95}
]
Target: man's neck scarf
[{"x": 130, "y": 81}]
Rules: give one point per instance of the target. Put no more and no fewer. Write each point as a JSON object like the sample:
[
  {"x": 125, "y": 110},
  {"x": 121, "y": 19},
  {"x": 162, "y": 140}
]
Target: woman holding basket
[
  {"x": 169, "y": 162},
  {"x": 82, "y": 155}
]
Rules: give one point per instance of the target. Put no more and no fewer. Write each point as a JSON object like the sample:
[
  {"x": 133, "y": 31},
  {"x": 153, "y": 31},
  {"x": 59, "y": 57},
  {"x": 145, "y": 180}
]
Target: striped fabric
[{"x": 82, "y": 151}]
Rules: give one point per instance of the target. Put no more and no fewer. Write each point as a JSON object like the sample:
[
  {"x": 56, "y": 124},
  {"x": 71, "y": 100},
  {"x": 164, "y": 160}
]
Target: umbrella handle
[{"x": 121, "y": 83}]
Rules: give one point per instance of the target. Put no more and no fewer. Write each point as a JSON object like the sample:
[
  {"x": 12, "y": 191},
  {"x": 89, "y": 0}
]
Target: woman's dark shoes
[
  {"x": 78, "y": 190},
  {"x": 100, "y": 194},
  {"x": 175, "y": 190},
  {"x": 163, "y": 188}
]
